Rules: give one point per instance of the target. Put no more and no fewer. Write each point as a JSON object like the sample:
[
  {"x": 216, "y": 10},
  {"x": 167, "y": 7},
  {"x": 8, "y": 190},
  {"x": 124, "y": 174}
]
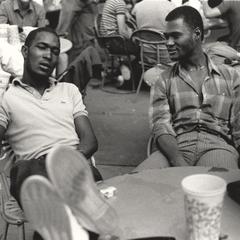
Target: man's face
[
  {"x": 42, "y": 55},
  {"x": 180, "y": 39}
]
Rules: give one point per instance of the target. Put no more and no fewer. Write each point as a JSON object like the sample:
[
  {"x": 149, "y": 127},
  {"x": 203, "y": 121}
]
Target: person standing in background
[
  {"x": 76, "y": 22},
  {"x": 230, "y": 11}
]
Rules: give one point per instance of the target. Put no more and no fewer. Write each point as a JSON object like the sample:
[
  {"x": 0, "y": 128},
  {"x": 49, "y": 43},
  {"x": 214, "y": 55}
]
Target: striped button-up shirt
[{"x": 177, "y": 107}]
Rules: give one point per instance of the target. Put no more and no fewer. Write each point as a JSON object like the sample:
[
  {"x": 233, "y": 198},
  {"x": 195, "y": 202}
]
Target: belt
[{"x": 200, "y": 127}]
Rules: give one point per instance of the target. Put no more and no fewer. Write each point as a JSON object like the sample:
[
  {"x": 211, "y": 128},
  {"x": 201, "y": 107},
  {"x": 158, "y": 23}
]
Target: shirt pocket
[
  {"x": 183, "y": 101},
  {"x": 220, "y": 105}
]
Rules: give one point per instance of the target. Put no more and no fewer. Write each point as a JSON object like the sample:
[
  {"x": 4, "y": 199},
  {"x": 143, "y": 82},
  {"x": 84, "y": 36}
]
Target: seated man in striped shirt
[
  {"x": 195, "y": 104},
  {"x": 114, "y": 21}
]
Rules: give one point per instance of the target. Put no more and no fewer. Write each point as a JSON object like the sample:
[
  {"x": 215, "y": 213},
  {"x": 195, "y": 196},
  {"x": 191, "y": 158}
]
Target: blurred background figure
[
  {"x": 76, "y": 22},
  {"x": 152, "y": 13},
  {"x": 52, "y": 8},
  {"x": 228, "y": 10},
  {"x": 22, "y": 13},
  {"x": 114, "y": 19},
  {"x": 117, "y": 20}
]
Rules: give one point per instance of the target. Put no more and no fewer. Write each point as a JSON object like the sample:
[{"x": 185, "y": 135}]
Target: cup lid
[{"x": 204, "y": 184}]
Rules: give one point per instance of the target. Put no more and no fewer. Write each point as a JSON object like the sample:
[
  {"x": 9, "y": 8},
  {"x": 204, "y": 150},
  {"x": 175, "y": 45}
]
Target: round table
[{"x": 150, "y": 203}]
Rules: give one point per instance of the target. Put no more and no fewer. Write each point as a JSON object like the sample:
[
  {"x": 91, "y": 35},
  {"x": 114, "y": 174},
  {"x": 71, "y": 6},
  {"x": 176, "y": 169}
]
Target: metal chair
[
  {"x": 108, "y": 44},
  {"x": 10, "y": 211},
  {"x": 153, "y": 50}
]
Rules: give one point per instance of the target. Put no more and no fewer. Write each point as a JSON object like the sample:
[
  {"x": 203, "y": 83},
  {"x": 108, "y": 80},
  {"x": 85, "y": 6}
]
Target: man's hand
[
  {"x": 168, "y": 145},
  {"x": 179, "y": 161}
]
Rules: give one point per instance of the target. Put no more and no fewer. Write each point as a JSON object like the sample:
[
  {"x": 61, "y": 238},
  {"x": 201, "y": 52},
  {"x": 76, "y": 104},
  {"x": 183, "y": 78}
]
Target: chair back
[{"x": 153, "y": 47}]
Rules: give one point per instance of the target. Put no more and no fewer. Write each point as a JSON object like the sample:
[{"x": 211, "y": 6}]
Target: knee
[{"x": 155, "y": 161}]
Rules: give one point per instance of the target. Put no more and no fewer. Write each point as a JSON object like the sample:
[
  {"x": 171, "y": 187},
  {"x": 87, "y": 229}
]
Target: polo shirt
[
  {"x": 35, "y": 123},
  {"x": 10, "y": 13}
]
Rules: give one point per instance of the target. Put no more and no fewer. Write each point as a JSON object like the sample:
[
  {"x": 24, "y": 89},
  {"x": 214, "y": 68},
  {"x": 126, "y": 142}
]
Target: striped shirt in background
[
  {"x": 176, "y": 107},
  {"x": 111, "y": 9}
]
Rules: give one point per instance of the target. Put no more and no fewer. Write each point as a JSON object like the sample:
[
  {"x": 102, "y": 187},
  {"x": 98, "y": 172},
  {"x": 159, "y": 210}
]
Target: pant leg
[
  {"x": 216, "y": 152},
  {"x": 155, "y": 161},
  {"x": 19, "y": 172},
  {"x": 23, "y": 169},
  {"x": 96, "y": 174}
]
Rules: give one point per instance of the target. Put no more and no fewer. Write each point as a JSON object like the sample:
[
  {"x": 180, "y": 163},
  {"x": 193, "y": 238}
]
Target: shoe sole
[
  {"x": 70, "y": 173},
  {"x": 125, "y": 72},
  {"x": 44, "y": 209}
]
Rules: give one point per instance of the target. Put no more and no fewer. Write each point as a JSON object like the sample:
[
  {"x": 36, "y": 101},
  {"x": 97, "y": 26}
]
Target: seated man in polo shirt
[{"x": 38, "y": 113}]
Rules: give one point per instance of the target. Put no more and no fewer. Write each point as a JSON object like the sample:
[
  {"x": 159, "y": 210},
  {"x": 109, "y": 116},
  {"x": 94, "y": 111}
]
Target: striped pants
[{"x": 198, "y": 148}]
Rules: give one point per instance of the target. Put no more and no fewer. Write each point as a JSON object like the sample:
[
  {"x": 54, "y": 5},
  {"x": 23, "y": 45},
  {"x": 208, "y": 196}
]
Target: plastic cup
[{"x": 203, "y": 199}]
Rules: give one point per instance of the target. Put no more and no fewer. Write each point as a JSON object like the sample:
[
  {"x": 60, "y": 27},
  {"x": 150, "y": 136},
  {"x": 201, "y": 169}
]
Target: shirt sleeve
[
  {"x": 159, "y": 111},
  {"x": 235, "y": 115},
  {"x": 3, "y": 14},
  {"x": 4, "y": 112},
  {"x": 120, "y": 7},
  {"x": 79, "y": 108}
]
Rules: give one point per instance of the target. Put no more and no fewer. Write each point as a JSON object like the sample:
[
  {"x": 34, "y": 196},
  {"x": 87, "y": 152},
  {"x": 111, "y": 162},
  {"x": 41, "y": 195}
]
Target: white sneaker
[
  {"x": 125, "y": 72},
  {"x": 72, "y": 177},
  {"x": 46, "y": 212}
]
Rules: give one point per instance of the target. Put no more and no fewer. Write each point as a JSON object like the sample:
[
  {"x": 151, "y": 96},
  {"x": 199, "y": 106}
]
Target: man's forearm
[
  {"x": 88, "y": 149},
  {"x": 168, "y": 145}
]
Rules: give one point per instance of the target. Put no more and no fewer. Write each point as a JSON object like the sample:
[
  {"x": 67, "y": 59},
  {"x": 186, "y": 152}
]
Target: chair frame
[
  {"x": 105, "y": 43},
  {"x": 5, "y": 197},
  {"x": 150, "y": 37}
]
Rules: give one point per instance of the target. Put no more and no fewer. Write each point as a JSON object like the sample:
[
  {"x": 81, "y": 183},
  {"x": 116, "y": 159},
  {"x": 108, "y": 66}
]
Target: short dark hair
[
  {"x": 190, "y": 15},
  {"x": 32, "y": 35}
]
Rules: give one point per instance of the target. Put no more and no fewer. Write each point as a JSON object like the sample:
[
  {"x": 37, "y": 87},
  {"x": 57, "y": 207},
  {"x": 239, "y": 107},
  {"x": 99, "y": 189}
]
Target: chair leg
[
  {"x": 132, "y": 73},
  {"x": 5, "y": 229},
  {"x": 140, "y": 84},
  {"x": 21, "y": 232}
]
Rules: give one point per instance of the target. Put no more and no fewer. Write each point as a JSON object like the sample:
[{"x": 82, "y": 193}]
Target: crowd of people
[{"x": 194, "y": 107}]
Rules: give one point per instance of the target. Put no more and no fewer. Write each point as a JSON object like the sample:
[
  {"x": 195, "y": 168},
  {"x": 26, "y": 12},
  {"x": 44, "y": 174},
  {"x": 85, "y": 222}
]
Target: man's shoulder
[
  {"x": 226, "y": 69},
  {"x": 66, "y": 86},
  {"x": 7, "y": 4},
  {"x": 169, "y": 71}
]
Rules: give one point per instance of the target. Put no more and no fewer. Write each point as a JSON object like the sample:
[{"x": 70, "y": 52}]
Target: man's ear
[
  {"x": 24, "y": 51},
  {"x": 197, "y": 34}
]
